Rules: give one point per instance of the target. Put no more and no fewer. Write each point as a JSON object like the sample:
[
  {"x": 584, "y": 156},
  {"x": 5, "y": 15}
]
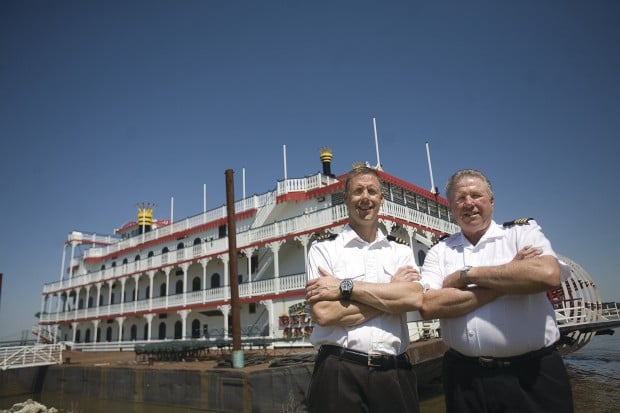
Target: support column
[
  {"x": 151, "y": 275},
  {"x": 225, "y": 309},
  {"x": 149, "y": 321},
  {"x": 136, "y": 280},
  {"x": 248, "y": 253},
  {"x": 204, "y": 279},
  {"x": 123, "y": 281},
  {"x": 184, "y": 314},
  {"x": 304, "y": 239},
  {"x": 120, "y": 321},
  {"x": 99, "y": 285},
  {"x": 184, "y": 268},
  {"x": 95, "y": 329},
  {"x": 275, "y": 248},
  {"x": 74, "y": 326},
  {"x": 110, "y": 284}
]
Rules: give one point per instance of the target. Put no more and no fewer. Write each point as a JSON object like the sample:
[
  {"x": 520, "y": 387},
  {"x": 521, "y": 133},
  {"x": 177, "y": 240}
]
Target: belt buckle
[
  {"x": 490, "y": 362},
  {"x": 374, "y": 356}
]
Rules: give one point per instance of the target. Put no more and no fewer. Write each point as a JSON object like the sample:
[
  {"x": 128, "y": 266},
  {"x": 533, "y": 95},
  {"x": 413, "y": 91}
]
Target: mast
[
  {"x": 430, "y": 169},
  {"x": 374, "y": 126}
]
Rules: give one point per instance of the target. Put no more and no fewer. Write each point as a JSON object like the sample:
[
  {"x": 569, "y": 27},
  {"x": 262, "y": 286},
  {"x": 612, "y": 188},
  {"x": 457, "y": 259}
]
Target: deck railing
[{"x": 30, "y": 356}]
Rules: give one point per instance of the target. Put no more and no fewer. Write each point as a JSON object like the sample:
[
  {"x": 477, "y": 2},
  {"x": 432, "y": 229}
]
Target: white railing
[
  {"x": 30, "y": 356},
  {"x": 296, "y": 282}
]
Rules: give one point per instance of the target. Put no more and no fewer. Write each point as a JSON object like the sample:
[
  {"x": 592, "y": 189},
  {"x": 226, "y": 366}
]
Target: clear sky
[{"x": 104, "y": 104}]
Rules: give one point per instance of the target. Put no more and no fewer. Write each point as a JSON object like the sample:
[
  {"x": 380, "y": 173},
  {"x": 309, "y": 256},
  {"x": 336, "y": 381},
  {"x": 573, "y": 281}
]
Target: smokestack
[{"x": 326, "y": 160}]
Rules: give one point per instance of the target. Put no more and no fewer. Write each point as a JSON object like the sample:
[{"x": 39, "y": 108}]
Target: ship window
[
  {"x": 164, "y": 250},
  {"x": 137, "y": 258},
  {"x": 108, "y": 334},
  {"x": 77, "y": 335},
  {"x": 151, "y": 253},
  {"x": 180, "y": 246},
  {"x": 87, "y": 336},
  {"x": 113, "y": 264},
  {"x": 221, "y": 231},
  {"x": 178, "y": 330},
  {"x": 196, "y": 284},
  {"x": 134, "y": 332},
  {"x": 252, "y": 308},
  {"x": 215, "y": 280},
  {"x": 179, "y": 287},
  {"x": 162, "y": 290},
  {"x": 195, "y": 329},
  {"x": 145, "y": 333},
  {"x": 197, "y": 241},
  {"x": 124, "y": 261},
  {"x": 162, "y": 331},
  {"x": 148, "y": 292}
]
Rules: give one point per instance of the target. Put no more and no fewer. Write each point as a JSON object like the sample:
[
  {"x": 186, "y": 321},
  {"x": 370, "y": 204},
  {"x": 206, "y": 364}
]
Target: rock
[{"x": 29, "y": 406}]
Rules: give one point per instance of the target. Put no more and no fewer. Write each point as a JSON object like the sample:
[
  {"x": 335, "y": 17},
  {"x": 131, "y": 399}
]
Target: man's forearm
[
  {"x": 516, "y": 277},
  {"x": 454, "y": 302},
  {"x": 396, "y": 297},
  {"x": 342, "y": 313}
]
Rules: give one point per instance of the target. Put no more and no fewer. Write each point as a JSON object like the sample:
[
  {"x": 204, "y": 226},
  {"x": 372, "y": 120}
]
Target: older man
[{"x": 488, "y": 285}]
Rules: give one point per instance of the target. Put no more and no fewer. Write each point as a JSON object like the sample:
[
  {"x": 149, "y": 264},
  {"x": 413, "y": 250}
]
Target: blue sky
[{"x": 104, "y": 104}]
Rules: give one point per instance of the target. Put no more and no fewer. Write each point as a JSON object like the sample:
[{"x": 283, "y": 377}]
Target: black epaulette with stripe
[
  {"x": 324, "y": 236},
  {"x": 518, "y": 221},
  {"x": 438, "y": 240},
  {"x": 397, "y": 240}
]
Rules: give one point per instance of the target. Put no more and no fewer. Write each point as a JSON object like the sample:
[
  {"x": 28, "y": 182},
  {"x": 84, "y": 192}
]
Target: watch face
[{"x": 346, "y": 286}]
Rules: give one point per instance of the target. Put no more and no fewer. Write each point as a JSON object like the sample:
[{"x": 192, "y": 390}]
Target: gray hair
[{"x": 464, "y": 173}]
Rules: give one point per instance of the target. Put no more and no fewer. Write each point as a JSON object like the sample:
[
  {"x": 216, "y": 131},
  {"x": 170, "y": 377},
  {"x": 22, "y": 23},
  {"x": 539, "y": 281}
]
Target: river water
[{"x": 594, "y": 372}]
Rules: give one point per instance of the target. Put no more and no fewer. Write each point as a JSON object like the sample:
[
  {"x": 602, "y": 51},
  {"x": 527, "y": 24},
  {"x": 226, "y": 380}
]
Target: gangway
[{"x": 30, "y": 356}]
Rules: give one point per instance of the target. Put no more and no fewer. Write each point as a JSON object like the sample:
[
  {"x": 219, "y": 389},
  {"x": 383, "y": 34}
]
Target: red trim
[{"x": 174, "y": 236}]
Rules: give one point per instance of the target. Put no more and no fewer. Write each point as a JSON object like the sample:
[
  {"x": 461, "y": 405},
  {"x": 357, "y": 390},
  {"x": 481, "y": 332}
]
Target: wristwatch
[
  {"x": 464, "y": 272},
  {"x": 346, "y": 288}
]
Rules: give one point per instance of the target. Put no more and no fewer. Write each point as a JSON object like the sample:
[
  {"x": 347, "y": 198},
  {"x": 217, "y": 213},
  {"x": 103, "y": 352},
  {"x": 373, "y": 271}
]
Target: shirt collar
[
  {"x": 349, "y": 235},
  {"x": 494, "y": 231}
]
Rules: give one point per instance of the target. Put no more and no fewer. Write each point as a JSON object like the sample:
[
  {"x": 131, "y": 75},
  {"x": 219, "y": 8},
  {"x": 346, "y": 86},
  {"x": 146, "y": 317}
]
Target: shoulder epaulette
[
  {"x": 324, "y": 236},
  {"x": 397, "y": 240},
  {"x": 518, "y": 221},
  {"x": 438, "y": 240}
]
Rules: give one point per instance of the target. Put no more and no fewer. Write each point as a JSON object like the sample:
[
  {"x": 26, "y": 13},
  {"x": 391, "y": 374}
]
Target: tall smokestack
[{"x": 326, "y": 160}]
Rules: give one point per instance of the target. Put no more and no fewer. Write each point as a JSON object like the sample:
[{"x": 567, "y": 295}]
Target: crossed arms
[
  {"x": 367, "y": 301},
  {"x": 529, "y": 272}
]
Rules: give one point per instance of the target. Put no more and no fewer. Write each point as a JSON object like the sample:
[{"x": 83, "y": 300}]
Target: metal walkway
[{"x": 30, "y": 356}]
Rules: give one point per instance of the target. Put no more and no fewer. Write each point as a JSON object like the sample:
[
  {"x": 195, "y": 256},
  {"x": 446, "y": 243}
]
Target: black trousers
[
  {"x": 343, "y": 386},
  {"x": 535, "y": 385}
]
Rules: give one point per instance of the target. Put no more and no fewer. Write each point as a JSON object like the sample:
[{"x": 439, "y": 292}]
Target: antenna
[
  {"x": 374, "y": 126},
  {"x": 243, "y": 180},
  {"x": 430, "y": 169},
  {"x": 284, "y": 156}
]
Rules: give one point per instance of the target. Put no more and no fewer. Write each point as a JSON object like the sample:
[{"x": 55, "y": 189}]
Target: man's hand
[
  {"x": 324, "y": 288},
  {"x": 527, "y": 252},
  {"x": 406, "y": 273}
]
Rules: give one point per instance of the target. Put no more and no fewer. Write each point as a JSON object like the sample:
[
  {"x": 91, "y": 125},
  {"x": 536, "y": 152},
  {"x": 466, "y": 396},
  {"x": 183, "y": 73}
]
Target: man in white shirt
[
  {"x": 360, "y": 285},
  {"x": 488, "y": 285}
]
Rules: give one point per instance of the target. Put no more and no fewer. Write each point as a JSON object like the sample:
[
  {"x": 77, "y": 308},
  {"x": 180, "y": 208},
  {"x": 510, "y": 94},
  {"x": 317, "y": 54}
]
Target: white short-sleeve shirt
[
  {"x": 510, "y": 325},
  {"x": 348, "y": 256}
]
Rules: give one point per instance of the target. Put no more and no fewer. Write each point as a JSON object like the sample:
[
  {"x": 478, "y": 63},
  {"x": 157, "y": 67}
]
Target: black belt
[
  {"x": 503, "y": 362},
  {"x": 377, "y": 361}
]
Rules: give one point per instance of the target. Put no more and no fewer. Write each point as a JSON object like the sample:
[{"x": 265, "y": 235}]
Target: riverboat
[{"x": 157, "y": 280}]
